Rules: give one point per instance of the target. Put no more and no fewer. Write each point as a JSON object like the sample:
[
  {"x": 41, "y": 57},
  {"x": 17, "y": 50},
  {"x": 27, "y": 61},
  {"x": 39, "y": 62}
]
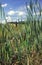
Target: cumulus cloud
[
  {"x": 11, "y": 12},
  {"x": 17, "y": 13},
  {"x": 4, "y": 5},
  {"x": 20, "y": 13},
  {"x": 8, "y": 18}
]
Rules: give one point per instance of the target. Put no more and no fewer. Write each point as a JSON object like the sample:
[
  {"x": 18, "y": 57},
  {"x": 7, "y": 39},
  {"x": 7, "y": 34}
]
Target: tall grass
[{"x": 24, "y": 40}]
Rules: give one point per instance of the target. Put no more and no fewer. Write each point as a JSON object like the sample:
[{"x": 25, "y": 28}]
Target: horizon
[{"x": 15, "y": 9}]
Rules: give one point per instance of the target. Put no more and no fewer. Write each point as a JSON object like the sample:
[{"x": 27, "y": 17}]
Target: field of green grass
[{"x": 21, "y": 44}]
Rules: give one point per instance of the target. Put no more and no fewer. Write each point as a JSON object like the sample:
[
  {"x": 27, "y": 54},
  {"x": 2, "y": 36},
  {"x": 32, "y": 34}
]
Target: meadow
[{"x": 21, "y": 44}]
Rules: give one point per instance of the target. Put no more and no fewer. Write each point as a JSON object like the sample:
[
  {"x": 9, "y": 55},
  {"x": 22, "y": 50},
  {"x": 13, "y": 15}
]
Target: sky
[{"x": 15, "y": 9}]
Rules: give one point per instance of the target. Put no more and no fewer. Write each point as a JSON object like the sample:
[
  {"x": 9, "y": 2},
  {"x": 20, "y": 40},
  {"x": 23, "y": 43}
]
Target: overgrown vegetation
[{"x": 22, "y": 44}]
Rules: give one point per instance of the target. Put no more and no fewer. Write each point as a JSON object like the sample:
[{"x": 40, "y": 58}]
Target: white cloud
[
  {"x": 4, "y": 5},
  {"x": 28, "y": 7},
  {"x": 11, "y": 12},
  {"x": 20, "y": 13},
  {"x": 8, "y": 19}
]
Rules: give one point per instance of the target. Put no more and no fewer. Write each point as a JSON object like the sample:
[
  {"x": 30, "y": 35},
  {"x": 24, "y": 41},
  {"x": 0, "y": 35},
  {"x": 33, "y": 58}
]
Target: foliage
[{"x": 23, "y": 43}]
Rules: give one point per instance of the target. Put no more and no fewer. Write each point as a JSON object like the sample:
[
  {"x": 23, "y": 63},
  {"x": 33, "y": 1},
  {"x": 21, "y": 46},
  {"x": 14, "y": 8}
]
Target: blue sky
[{"x": 15, "y": 8}]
